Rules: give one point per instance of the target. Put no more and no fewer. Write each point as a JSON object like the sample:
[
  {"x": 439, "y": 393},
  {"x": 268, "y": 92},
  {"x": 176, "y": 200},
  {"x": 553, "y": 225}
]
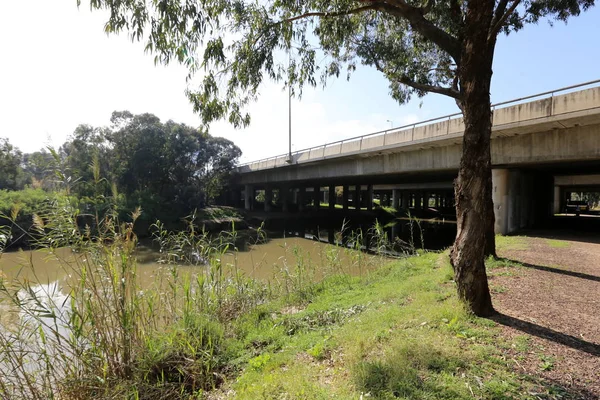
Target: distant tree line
[{"x": 168, "y": 169}]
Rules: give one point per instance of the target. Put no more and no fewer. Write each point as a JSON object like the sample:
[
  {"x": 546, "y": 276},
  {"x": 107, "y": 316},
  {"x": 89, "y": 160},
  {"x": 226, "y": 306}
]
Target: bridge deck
[{"x": 552, "y": 112}]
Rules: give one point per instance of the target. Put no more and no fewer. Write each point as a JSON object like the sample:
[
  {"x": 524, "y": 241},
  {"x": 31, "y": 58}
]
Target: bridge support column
[
  {"x": 369, "y": 197},
  {"x": 405, "y": 200},
  {"x": 332, "y": 197},
  {"x": 356, "y": 199},
  {"x": 500, "y": 196},
  {"x": 301, "y": 197},
  {"x": 268, "y": 198},
  {"x": 396, "y": 199},
  {"x": 345, "y": 196},
  {"x": 284, "y": 198},
  {"x": 556, "y": 201},
  {"x": 317, "y": 197},
  {"x": 418, "y": 200},
  {"x": 248, "y": 197}
]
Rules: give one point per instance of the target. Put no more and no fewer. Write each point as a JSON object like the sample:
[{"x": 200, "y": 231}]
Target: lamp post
[
  {"x": 289, "y": 159},
  {"x": 391, "y": 123}
]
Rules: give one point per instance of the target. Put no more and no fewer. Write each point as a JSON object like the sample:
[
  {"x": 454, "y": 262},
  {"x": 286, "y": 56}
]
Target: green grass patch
[
  {"x": 559, "y": 244},
  {"x": 216, "y": 213},
  {"x": 399, "y": 333},
  {"x": 511, "y": 243}
]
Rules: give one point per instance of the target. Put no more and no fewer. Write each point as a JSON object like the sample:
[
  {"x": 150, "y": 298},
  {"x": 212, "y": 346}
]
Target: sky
[{"x": 58, "y": 69}]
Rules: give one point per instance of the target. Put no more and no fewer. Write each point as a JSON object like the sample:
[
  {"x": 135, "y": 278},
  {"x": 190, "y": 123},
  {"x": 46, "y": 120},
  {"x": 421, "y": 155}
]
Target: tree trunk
[{"x": 473, "y": 187}]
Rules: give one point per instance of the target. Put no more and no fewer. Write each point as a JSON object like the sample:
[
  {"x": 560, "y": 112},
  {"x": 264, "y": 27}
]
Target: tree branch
[
  {"x": 499, "y": 11},
  {"x": 399, "y": 8},
  {"x": 416, "y": 19},
  {"x": 430, "y": 88},
  {"x": 375, "y": 6},
  {"x": 427, "y": 7},
  {"x": 500, "y": 22}
]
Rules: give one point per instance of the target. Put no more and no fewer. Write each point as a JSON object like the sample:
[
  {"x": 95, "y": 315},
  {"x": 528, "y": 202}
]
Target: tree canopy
[
  {"x": 417, "y": 45},
  {"x": 11, "y": 172},
  {"x": 168, "y": 169}
]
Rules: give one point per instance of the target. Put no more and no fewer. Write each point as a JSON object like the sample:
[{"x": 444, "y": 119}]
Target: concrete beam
[{"x": 577, "y": 180}]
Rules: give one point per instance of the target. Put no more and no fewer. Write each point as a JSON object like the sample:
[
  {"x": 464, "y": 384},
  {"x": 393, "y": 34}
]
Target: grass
[
  {"x": 399, "y": 333},
  {"x": 559, "y": 244},
  {"x": 518, "y": 243}
]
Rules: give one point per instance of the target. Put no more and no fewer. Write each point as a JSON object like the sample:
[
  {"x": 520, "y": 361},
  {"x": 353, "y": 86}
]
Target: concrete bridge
[{"x": 543, "y": 147}]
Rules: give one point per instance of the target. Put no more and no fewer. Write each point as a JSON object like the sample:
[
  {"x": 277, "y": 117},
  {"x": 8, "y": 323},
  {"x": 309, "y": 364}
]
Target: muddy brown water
[
  {"x": 257, "y": 261},
  {"x": 56, "y": 270}
]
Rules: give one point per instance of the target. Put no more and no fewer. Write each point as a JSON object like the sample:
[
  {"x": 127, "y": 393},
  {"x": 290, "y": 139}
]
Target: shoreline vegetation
[{"x": 394, "y": 330}]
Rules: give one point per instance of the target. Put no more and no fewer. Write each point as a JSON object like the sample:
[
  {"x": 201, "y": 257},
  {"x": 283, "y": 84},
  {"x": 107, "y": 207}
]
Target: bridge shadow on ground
[{"x": 563, "y": 229}]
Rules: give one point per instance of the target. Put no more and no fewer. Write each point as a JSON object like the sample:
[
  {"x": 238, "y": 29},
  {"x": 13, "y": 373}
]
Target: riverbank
[
  {"x": 394, "y": 330},
  {"x": 400, "y": 333}
]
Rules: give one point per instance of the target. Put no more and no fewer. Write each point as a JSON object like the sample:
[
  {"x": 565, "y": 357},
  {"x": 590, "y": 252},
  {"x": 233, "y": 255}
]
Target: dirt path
[{"x": 550, "y": 308}]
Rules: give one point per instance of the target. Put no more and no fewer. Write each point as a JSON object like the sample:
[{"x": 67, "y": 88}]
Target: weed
[
  {"x": 546, "y": 362},
  {"x": 522, "y": 343},
  {"x": 319, "y": 351},
  {"x": 259, "y": 362}
]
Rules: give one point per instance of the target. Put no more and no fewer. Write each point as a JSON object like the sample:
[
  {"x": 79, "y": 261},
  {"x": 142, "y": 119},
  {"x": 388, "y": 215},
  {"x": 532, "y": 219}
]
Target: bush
[{"x": 16, "y": 211}]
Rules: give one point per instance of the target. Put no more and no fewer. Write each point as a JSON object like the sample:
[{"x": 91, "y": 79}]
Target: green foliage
[
  {"x": 39, "y": 166},
  {"x": 26, "y": 201},
  {"x": 106, "y": 336},
  {"x": 12, "y": 176},
  {"x": 168, "y": 169},
  {"x": 17, "y": 210},
  {"x": 417, "y": 45}
]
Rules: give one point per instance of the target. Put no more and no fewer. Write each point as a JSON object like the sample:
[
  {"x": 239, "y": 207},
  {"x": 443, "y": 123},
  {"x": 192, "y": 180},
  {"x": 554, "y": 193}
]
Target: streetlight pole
[
  {"x": 391, "y": 123},
  {"x": 289, "y": 160}
]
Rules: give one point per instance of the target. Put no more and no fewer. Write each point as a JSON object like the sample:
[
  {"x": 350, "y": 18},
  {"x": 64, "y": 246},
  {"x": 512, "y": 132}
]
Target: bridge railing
[{"x": 426, "y": 129}]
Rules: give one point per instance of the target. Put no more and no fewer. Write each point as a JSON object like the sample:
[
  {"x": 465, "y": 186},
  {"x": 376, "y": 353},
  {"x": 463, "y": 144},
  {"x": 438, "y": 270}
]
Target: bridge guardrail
[{"x": 441, "y": 126}]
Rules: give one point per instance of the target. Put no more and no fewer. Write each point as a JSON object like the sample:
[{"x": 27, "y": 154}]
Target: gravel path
[{"x": 550, "y": 308}]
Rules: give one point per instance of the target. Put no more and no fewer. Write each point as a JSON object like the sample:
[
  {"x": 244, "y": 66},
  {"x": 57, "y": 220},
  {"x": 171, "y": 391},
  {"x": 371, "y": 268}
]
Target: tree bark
[{"x": 473, "y": 187}]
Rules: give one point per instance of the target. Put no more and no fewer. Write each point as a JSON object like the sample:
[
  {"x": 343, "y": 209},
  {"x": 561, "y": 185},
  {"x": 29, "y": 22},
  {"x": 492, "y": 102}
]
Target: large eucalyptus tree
[{"x": 444, "y": 46}]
